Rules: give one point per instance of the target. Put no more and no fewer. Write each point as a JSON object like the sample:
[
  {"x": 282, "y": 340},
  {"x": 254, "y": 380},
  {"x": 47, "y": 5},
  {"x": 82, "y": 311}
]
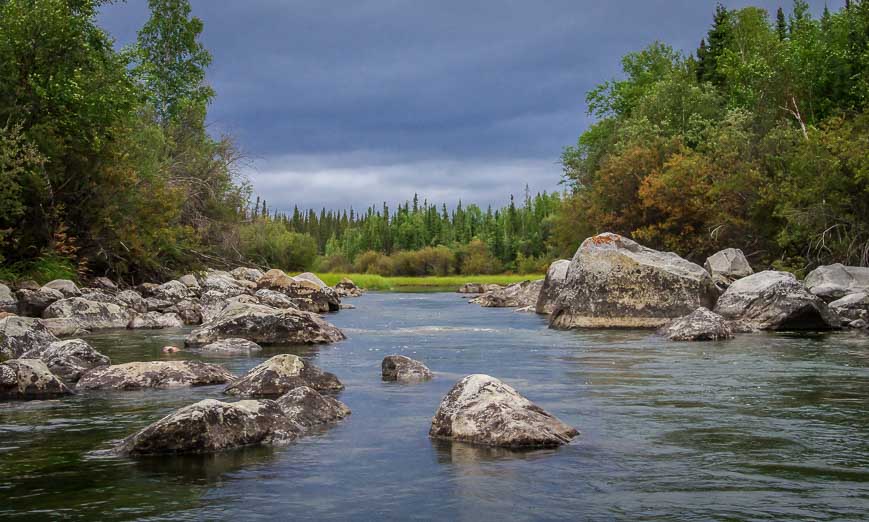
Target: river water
[{"x": 761, "y": 427}]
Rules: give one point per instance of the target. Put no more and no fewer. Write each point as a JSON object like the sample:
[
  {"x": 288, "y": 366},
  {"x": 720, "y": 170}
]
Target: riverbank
[{"x": 445, "y": 283}]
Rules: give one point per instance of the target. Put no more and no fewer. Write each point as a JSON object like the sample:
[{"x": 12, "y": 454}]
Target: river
[{"x": 761, "y": 427}]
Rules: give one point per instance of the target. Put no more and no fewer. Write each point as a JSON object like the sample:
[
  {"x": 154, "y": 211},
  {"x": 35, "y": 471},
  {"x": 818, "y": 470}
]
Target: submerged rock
[
  {"x": 483, "y": 410},
  {"x": 281, "y": 374},
  {"x": 772, "y": 300},
  {"x": 727, "y": 266},
  {"x": 29, "y": 379},
  {"x": 403, "y": 369},
  {"x": 833, "y": 282},
  {"x": 154, "y": 321},
  {"x": 700, "y": 325},
  {"x": 613, "y": 282},
  {"x": 69, "y": 359},
  {"x": 556, "y": 275},
  {"x": 232, "y": 346},
  {"x": 153, "y": 374},
  {"x": 517, "y": 295},
  {"x": 265, "y": 325},
  {"x": 33, "y": 302},
  {"x": 88, "y": 314},
  {"x": 22, "y": 334}
]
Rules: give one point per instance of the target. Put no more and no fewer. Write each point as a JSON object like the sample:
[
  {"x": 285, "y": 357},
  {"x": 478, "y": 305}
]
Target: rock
[
  {"x": 4, "y": 315},
  {"x": 64, "y": 286},
  {"x": 274, "y": 299},
  {"x": 555, "y": 277},
  {"x": 613, "y": 282},
  {"x": 155, "y": 320},
  {"x": 247, "y": 274},
  {"x": 65, "y": 327},
  {"x": 833, "y": 282},
  {"x": 699, "y": 325},
  {"x": 155, "y": 304},
  {"x": 224, "y": 282},
  {"x": 265, "y": 325},
  {"x": 347, "y": 306},
  {"x": 213, "y": 302},
  {"x": 33, "y": 302},
  {"x": 100, "y": 296},
  {"x": 853, "y": 307},
  {"x": 29, "y": 379},
  {"x": 147, "y": 289},
  {"x": 483, "y": 410},
  {"x": 275, "y": 279},
  {"x": 347, "y": 288},
  {"x": 69, "y": 359},
  {"x": 859, "y": 323},
  {"x": 308, "y": 294},
  {"x": 512, "y": 296},
  {"x": 8, "y": 302},
  {"x": 471, "y": 288},
  {"x": 726, "y": 266},
  {"x": 309, "y": 409},
  {"x": 281, "y": 374},
  {"x": 153, "y": 374},
  {"x": 772, "y": 300},
  {"x": 133, "y": 300},
  {"x": 189, "y": 311},
  {"x": 403, "y": 369},
  {"x": 210, "y": 426},
  {"x": 88, "y": 314},
  {"x": 308, "y": 276},
  {"x": 22, "y": 334},
  {"x": 232, "y": 345},
  {"x": 172, "y": 291},
  {"x": 192, "y": 284},
  {"x": 104, "y": 283},
  {"x": 27, "y": 284}
]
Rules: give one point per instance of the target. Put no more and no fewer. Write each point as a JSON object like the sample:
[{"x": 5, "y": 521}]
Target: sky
[{"x": 343, "y": 104}]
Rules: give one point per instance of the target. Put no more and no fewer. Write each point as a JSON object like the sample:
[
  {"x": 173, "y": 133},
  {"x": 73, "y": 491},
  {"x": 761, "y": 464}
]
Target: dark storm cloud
[{"x": 360, "y": 102}]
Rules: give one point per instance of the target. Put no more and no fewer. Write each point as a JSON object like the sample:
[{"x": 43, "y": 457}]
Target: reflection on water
[{"x": 762, "y": 427}]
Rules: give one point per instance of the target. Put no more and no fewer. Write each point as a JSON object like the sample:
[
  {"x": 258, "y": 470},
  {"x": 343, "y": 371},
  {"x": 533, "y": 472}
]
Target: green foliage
[{"x": 270, "y": 244}]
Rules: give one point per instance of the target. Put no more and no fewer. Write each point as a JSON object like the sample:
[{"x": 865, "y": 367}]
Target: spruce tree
[{"x": 781, "y": 25}]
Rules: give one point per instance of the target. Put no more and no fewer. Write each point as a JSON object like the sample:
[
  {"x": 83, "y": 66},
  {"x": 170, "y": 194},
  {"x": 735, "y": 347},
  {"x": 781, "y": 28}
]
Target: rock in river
[
  {"x": 22, "y": 334},
  {"x": 232, "y": 346},
  {"x": 403, "y": 369},
  {"x": 29, "y": 379},
  {"x": 308, "y": 408},
  {"x": 833, "y": 282},
  {"x": 33, "y": 302},
  {"x": 69, "y": 359},
  {"x": 265, "y": 325},
  {"x": 727, "y": 266},
  {"x": 613, "y": 282},
  {"x": 772, "y": 300},
  {"x": 155, "y": 321},
  {"x": 517, "y": 295},
  {"x": 852, "y": 307},
  {"x": 700, "y": 325},
  {"x": 153, "y": 374},
  {"x": 555, "y": 277},
  {"x": 281, "y": 374},
  {"x": 483, "y": 410},
  {"x": 89, "y": 314}
]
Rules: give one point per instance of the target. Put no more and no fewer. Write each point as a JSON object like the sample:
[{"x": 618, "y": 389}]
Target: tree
[{"x": 781, "y": 24}]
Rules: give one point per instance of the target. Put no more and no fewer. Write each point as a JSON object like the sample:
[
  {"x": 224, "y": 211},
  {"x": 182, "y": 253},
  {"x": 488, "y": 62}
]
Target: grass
[
  {"x": 376, "y": 282},
  {"x": 42, "y": 270}
]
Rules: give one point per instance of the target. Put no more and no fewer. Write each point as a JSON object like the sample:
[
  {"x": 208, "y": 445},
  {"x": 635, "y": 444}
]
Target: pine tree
[
  {"x": 718, "y": 40},
  {"x": 781, "y": 25}
]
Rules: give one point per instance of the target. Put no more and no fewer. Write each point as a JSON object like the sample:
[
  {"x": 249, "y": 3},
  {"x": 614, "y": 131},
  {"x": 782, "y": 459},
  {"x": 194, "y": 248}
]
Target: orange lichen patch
[{"x": 604, "y": 239}]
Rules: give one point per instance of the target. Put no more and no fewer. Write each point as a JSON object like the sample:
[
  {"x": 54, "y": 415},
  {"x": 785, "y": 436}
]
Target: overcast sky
[{"x": 355, "y": 103}]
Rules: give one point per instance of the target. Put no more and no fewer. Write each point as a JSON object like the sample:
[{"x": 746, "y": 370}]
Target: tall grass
[{"x": 376, "y": 282}]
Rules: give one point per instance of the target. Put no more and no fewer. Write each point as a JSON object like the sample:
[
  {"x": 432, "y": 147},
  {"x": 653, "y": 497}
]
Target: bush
[
  {"x": 478, "y": 260},
  {"x": 269, "y": 243}
]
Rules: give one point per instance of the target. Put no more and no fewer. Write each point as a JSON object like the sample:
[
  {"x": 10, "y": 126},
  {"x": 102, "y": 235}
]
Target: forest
[{"x": 757, "y": 139}]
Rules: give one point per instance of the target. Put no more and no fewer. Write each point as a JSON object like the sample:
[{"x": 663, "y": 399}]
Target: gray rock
[
  {"x": 309, "y": 295},
  {"x": 556, "y": 275},
  {"x": 480, "y": 409},
  {"x": 613, "y": 282},
  {"x": 69, "y": 359},
  {"x": 101, "y": 296},
  {"x": 213, "y": 302},
  {"x": 224, "y": 282},
  {"x": 477, "y": 288},
  {"x": 247, "y": 274},
  {"x": 21, "y": 334},
  {"x": 155, "y": 304},
  {"x": 281, "y": 374},
  {"x": 265, "y": 325},
  {"x": 172, "y": 291},
  {"x": 147, "y": 289},
  {"x": 32, "y": 303},
  {"x": 64, "y": 327},
  {"x": 833, "y": 282},
  {"x": 699, "y": 325},
  {"x": 155, "y": 321},
  {"x": 274, "y": 299},
  {"x": 88, "y": 314},
  {"x": 153, "y": 374},
  {"x": 106, "y": 284},
  {"x": 859, "y": 323},
  {"x": 772, "y": 300},
  {"x": 231, "y": 346},
  {"x": 309, "y": 409},
  {"x": 308, "y": 276},
  {"x": 726, "y": 266},
  {"x": 133, "y": 300},
  {"x": 192, "y": 284},
  {"x": 347, "y": 288},
  {"x": 64, "y": 286},
  {"x": 853, "y": 307},
  {"x": 29, "y": 379},
  {"x": 403, "y": 369},
  {"x": 8, "y": 301},
  {"x": 517, "y": 295},
  {"x": 190, "y": 311}
]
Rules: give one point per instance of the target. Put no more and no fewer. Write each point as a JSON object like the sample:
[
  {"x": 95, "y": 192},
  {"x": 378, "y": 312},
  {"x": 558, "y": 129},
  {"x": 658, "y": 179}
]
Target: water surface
[{"x": 762, "y": 427}]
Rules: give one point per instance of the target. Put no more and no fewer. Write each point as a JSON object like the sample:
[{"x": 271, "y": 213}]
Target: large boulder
[
  {"x": 231, "y": 346},
  {"x": 274, "y": 299},
  {"x": 247, "y": 274},
  {"x": 69, "y": 359},
  {"x": 172, "y": 291},
  {"x": 29, "y": 379},
  {"x": 726, "y": 266},
  {"x": 480, "y": 409},
  {"x": 92, "y": 294},
  {"x": 852, "y": 307},
  {"x": 517, "y": 295},
  {"x": 613, "y": 282},
  {"x": 281, "y": 374},
  {"x": 133, "y": 300},
  {"x": 33, "y": 302},
  {"x": 347, "y": 288},
  {"x": 700, "y": 325},
  {"x": 310, "y": 277},
  {"x": 8, "y": 301},
  {"x": 308, "y": 292},
  {"x": 213, "y": 302},
  {"x": 225, "y": 283},
  {"x": 89, "y": 314},
  {"x": 265, "y": 325},
  {"x": 105, "y": 284},
  {"x": 192, "y": 284},
  {"x": 153, "y": 374},
  {"x": 155, "y": 321},
  {"x": 833, "y": 282},
  {"x": 189, "y": 310},
  {"x": 209, "y": 426},
  {"x": 156, "y": 304},
  {"x": 64, "y": 286},
  {"x": 308, "y": 408},
  {"x": 403, "y": 369},
  {"x": 773, "y": 300},
  {"x": 22, "y": 334},
  {"x": 556, "y": 275}
]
